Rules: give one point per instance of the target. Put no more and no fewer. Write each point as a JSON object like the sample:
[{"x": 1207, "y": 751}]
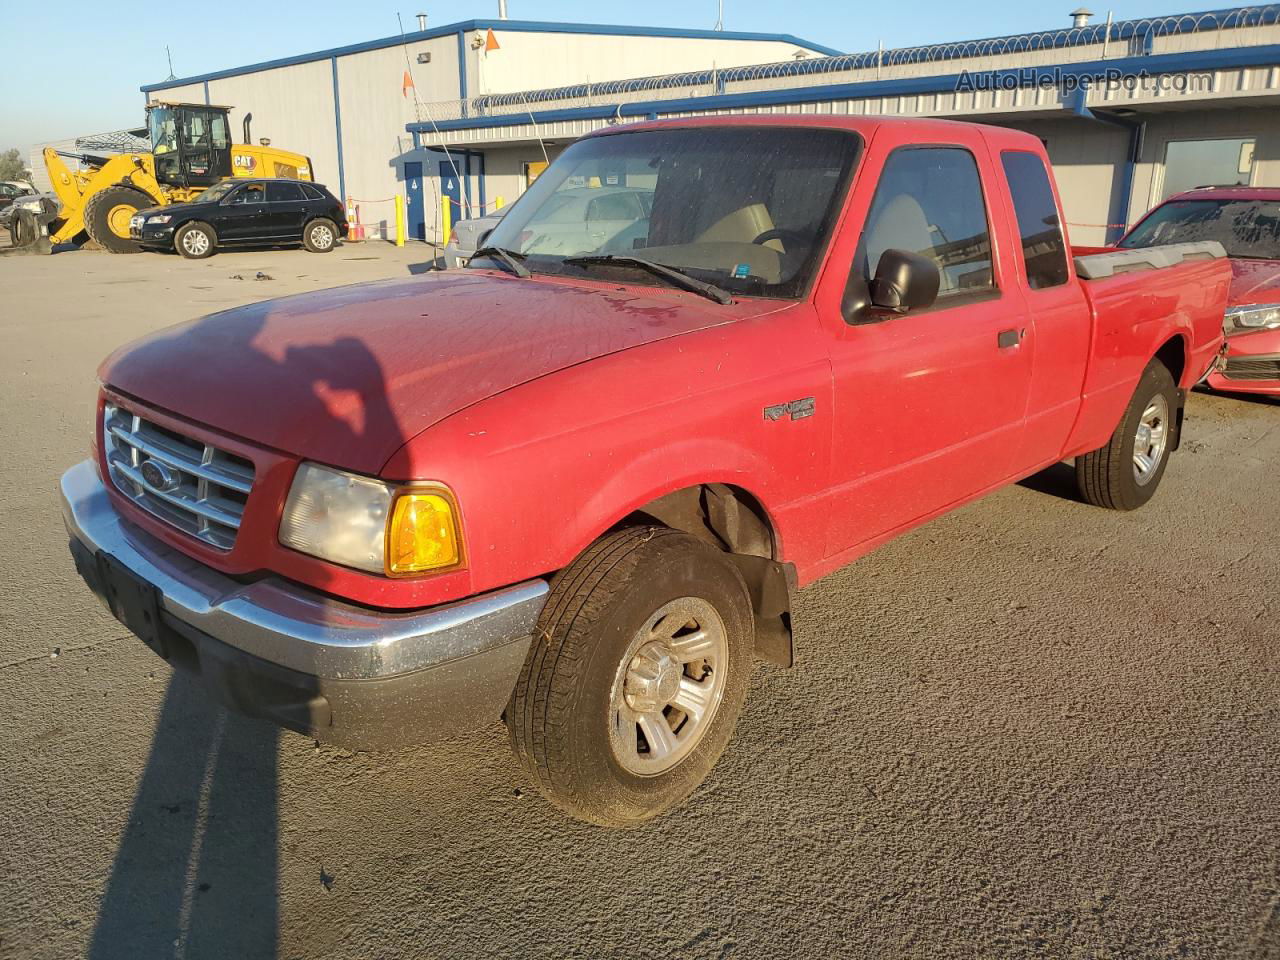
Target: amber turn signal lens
[{"x": 424, "y": 534}]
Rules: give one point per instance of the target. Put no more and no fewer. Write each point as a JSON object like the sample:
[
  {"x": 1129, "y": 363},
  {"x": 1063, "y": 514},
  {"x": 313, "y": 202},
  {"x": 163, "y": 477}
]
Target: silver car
[{"x": 466, "y": 237}]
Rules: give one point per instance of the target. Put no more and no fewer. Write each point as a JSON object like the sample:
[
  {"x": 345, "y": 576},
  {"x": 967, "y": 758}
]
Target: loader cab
[{"x": 191, "y": 143}]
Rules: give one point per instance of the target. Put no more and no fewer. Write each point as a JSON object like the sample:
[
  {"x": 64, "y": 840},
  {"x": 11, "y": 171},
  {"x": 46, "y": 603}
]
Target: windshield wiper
[
  {"x": 677, "y": 278},
  {"x": 508, "y": 258}
]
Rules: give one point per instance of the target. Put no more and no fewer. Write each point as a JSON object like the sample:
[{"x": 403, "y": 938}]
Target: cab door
[
  {"x": 1056, "y": 304},
  {"x": 241, "y": 215},
  {"x": 286, "y": 210},
  {"x": 205, "y": 146},
  {"x": 929, "y": 405}
]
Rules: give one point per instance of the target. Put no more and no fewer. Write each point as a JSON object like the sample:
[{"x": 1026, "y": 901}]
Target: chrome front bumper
[{"x": 467, "y": 651}]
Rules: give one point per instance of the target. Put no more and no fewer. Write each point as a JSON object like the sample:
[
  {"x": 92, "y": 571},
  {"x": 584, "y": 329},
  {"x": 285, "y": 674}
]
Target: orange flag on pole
[
  {"x": 490, "y": 41},
  {"x": 406, "y": 84}
]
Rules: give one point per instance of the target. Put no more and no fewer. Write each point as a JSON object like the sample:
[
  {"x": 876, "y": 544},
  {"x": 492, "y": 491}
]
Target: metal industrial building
[
  {"x": 1191, "y": 99},
  {"x": 350, "y": 108}
]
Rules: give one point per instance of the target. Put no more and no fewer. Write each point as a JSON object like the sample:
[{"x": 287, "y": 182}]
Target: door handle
[{"x": 1010, "y": 338}]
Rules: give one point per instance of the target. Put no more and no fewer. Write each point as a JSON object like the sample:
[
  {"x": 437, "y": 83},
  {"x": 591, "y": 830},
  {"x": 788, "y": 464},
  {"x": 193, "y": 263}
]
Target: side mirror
[{"x": 904, "y": 281}]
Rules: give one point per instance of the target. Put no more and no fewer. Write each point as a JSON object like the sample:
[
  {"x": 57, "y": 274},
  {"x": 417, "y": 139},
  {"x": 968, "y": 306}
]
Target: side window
[
  {"x": 929, "y": 201},
  {"x": 1043, "y": 250},
  {"x": 282, "y": 192},
  {"x": 218, "y": 123},
  {"x": 311, "y": 192},
  {"x": 252, "y": 193}
]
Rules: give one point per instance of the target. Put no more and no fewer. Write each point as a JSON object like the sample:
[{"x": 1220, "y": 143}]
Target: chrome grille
[{"x": 190, "y": 484}]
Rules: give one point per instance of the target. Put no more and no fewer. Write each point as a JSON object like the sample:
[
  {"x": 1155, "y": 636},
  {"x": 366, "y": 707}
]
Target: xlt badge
[{"x": 797, "y": 409}]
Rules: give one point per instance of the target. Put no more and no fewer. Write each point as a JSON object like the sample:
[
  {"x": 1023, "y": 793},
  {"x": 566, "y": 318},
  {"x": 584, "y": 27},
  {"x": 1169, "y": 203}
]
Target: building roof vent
[
  {"x": 422, "y": 22},
  {"x": 1080, "y": 16}
]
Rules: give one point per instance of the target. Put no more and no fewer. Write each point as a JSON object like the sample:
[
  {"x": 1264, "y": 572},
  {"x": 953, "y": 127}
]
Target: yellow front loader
[{"x": 191, "y": 150}]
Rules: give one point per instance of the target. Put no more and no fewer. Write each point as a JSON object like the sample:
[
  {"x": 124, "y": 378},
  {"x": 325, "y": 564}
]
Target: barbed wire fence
[{"x": 1109, "y": 40}]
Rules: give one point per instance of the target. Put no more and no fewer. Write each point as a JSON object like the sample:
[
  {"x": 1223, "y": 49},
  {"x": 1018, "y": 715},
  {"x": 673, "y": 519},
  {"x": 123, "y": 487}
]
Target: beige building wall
[
  {"x": 531, "y": 61},
  {"x": 375, "y": 111},
  {"x": 291, "y": 106},
  {"x": 1263, "y": 124}
]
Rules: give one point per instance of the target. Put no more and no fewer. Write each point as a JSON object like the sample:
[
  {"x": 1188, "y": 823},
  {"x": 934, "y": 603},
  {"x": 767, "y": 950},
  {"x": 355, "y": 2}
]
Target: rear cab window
[{"x": 1044, "y": 250}]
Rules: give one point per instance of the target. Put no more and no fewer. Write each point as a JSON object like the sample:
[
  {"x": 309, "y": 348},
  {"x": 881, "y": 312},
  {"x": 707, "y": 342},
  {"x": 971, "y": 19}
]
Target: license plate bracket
[{"x": 133, "y": 601}]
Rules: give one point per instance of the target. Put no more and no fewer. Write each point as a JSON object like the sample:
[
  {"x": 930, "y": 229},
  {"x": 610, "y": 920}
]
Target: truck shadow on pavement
[
  {"x": 1058, "y": 481},
  {"x": 195, "y": 874}
]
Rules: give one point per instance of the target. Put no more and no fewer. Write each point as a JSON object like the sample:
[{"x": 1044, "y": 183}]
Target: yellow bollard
[
  {"x": 446, "y": 220},
  {"x": 401, "y": 223},
  {"x": 497, "y": 203}
]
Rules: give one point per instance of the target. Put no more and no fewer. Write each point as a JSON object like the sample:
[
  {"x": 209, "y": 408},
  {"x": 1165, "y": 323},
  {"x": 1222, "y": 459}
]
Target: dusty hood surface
[
  {"x": 1254, "y": 281},
  {"x": 346, "y": 376}
]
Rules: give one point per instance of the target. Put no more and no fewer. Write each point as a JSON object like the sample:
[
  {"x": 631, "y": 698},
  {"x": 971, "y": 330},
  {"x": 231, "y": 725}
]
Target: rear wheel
[
  {"x": 1125, "y": 473},
  {"x": 107, "y": 215},
  {"x": 320, "y": 236},
  {"x": 195, "y": 241},
  {"x": 637, "y": 673}
]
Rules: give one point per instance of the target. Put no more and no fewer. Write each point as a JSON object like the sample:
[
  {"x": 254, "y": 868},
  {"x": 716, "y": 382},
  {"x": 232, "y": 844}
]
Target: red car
[
  {"x": 1246, "y": 221},
  {"x": 573, "y": 486}
]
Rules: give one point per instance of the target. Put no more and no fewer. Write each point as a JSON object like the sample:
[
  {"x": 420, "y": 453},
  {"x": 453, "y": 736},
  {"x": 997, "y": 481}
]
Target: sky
[{"x": 84, "y": 78}]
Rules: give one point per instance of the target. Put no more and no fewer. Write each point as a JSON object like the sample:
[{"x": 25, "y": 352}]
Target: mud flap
[{"x": 770, "y": 585}]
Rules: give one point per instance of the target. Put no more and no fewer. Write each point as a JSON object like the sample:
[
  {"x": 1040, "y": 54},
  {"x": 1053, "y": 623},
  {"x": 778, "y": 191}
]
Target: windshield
[
  {"x": 164, "y": 130},
  {"x": 216, "y": 192},
  {"x": 1249, "y": 229},
  {"x": 749, "y": 209}
]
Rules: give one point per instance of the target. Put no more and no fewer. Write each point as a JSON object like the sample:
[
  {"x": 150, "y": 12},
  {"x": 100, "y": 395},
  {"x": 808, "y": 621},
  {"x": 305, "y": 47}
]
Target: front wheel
[
  {"x": 320, "y": 236},
  {"x": 1125, "y": 473},
  {"x": 636, "y": 675},
  {"x": 107, "y": 214},
  {"x": 195, "y": 241}
]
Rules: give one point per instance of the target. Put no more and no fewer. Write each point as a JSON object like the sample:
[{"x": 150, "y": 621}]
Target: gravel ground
[{"x": 1031, "y": 728}]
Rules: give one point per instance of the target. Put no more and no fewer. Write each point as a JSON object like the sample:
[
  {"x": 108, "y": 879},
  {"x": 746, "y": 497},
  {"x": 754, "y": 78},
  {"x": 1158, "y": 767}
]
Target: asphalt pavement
[{"x": 1029, "y": 729}]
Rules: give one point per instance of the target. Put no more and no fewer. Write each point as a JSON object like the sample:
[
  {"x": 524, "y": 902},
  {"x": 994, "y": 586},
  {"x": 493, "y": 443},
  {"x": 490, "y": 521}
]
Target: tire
[
  {"x": 107, "y": 214},
  {"x": 195, "y": 241},
  {"x": 320, "y": 235},
  {"x": 571, "y": 715},
  {"x": 1114, "y": 476},
  {"x": 23, "y": 230}
]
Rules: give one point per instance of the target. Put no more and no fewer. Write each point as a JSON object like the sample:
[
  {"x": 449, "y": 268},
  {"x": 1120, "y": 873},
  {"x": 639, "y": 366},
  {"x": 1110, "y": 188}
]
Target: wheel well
[
  {"x": 731, "y": 519},
  {"x": 1173, "y": 354},
  {"x": 725, "y": 516}
]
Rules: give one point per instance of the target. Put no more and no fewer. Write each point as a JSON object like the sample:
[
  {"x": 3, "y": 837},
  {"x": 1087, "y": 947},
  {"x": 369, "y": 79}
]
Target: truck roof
[{"x": 864, "y": 125}]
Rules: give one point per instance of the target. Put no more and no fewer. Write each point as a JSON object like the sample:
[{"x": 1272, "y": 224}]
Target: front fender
[{"x": 545, "y": 468}]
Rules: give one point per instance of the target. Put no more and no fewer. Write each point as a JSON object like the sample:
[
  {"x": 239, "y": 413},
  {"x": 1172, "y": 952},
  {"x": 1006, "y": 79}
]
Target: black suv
[{"x": 246, "y": 212}]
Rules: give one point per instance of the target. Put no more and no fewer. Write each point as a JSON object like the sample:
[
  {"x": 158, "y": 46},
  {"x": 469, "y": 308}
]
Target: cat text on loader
[{"x": 191, "y": 150}]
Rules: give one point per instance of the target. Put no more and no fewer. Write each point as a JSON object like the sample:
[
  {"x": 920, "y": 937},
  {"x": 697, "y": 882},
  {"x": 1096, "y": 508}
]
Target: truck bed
[{"x": 1132, "y": 294}]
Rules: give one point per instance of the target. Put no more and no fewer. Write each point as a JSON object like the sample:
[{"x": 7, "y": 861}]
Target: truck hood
[
  {"x": 1254, "y": 281},
  {"x": 346, "y": 376}
]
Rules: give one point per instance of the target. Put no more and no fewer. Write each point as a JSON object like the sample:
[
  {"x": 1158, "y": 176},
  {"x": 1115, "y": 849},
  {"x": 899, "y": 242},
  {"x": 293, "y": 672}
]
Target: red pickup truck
[{"x": 574, "y": 485}]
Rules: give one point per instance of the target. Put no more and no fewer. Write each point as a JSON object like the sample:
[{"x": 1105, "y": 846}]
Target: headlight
[
  {"x": 1252, "y": 319},
  {"x": 159, "y": 218},
  {"x": 343, "y": 517}
]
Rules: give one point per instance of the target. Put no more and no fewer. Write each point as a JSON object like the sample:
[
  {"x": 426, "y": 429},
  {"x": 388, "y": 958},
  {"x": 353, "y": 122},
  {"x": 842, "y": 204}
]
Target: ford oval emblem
[{"x": 158, "y": 476}]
